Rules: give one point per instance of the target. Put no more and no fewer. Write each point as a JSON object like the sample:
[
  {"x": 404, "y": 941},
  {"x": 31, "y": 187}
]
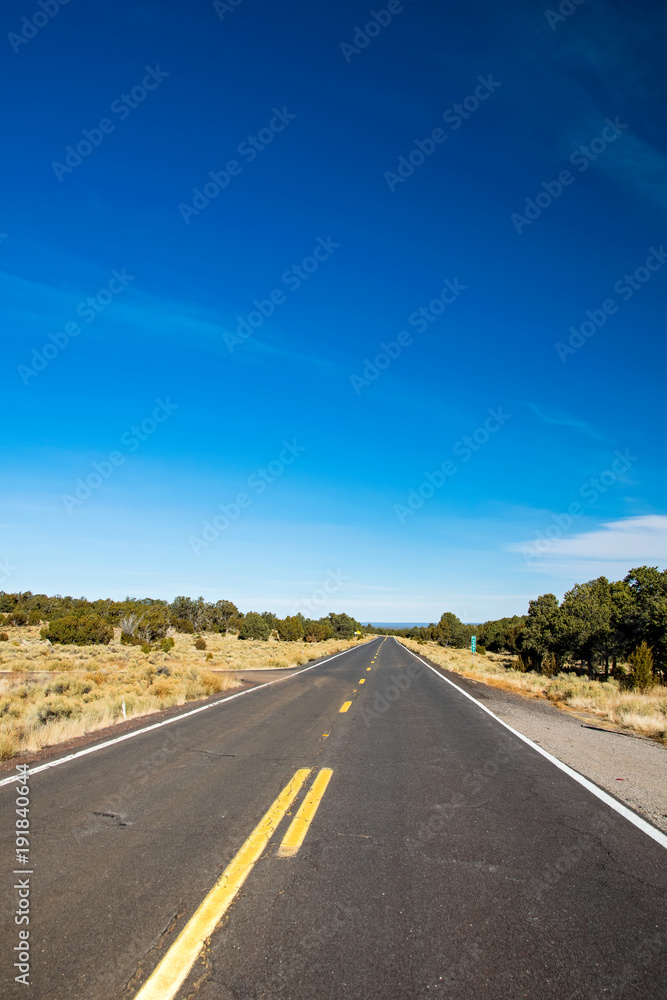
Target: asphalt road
[{"x": 446, "y": 857}]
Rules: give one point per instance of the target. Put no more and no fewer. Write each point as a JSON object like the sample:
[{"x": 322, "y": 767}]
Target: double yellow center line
[
  {"x": 165, "y": 982},
  {"x": 174, "y": 968},
  {"x": 298, "y": 828}
]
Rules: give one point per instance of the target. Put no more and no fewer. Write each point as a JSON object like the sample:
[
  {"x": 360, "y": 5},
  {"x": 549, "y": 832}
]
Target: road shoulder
[{"x": 629, "y": 767}]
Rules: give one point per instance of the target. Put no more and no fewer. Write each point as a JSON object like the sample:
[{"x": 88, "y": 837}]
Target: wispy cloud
[
  {"x": 606, "y": 68},
  {"x": 37, "y": 307},
  {"x": 563, "y": 420},
  {"x": 611, "y": 549}
]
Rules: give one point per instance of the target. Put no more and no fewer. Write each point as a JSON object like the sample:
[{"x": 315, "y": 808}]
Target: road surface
[{"x": 436, "y": 855}]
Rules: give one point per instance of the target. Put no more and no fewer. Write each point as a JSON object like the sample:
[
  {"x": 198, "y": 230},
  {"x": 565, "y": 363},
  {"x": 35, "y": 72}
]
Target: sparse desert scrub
[
  {"x": 36, "y": 713},
  {"x": 49, "y": 694},
  {"x": 645, "y": 714},
  {"x": 26, "y": 651}
]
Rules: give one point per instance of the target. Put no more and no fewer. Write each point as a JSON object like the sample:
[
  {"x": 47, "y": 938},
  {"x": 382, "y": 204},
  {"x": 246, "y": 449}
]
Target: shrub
[
  {"x": 164, "y": 688},
  {"x": 153, "y": 624},
  {"x": 17, "y": 618},
  {"x": 127, "y": 639},
  {"x": 549, "y": 665},
  {"x": 342, "y": 626},
  {"x": 167, "y": 644},
  {"x": 290, "y": 629},
  {"x": 317, "y": 631},
  {"x": 4, "y": 637},
  {"x": 212, "y": 682},
  {"x": 254, "y": 626},
  {"x": 481, "y": 650},
  {"x": 640, "y": 676},
  {"x": 209, "y": 656},
  {"x": 35, "y": 618},
  {"x": 128, "y": 627},
  {"x": 145, "y": 647},
  {"x": 200, "y": 643},
  {"x": 55, "y": 708},
  {"x": 9, "y": 745},
  {"x": 183, "y": 625},
  {"x": 84, "y": 631}
]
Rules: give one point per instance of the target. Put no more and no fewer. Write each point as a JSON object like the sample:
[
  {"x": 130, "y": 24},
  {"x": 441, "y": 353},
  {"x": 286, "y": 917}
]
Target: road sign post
[{"x": 473, "y": 646}]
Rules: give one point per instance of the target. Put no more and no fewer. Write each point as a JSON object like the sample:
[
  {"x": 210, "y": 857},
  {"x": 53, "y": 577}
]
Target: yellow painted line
[
  {"x": 363, "y": 680},
  {"x": 368, "y": 668},
  {"x": 300, "y": 825},
  {"x": 165, "y": 982},
  {"x": 344, "y": 707}
]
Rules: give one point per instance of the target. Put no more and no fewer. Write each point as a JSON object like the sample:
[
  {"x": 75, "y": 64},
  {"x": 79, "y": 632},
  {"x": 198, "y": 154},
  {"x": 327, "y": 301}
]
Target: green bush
[
  {"x": 183, "y": 625},
  {"x": 145, "y": 647},
  {"x": 17, "y": 618},
  {"x": 167, "y": 644},
  {"x": 200, "y": 643},
  {"x": 522, "y": 663},
  {"x": 130, "y": 640},
  {"x": 343, "y": 626},
  {"x": 317, "y": 631},
  {"x": 4, "y": 637},
  {"x": 254, "y": 626},
  {"x": 35, "y": 618},
  {"x": 147, "y": 627},
  {"x": 85, "y": 631},
  {"x": 290, "y": 629},
  {"x": 549, "y": 665},
  {"x": 481, "y": 650},
  {"x": 640, "y": 676}
]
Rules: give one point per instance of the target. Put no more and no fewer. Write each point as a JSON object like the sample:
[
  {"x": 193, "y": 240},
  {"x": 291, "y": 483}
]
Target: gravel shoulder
[{"x": 631, "y": 768}]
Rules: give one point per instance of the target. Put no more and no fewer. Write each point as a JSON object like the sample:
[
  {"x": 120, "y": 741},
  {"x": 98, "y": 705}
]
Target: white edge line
[
  {"x": 605, "y": 797},
  {"x": 168, "y": 722}
]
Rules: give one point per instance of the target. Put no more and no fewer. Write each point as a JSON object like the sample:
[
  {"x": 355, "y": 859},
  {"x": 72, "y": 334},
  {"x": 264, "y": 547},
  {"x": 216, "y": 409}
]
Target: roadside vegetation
[
  {"x": 610, "y": 702},
  {"x": 69, "y": 666},
  {"x": 600, "y": 629},
  {"x": 601, "y": 650},
  {"x": 146, "y": 621}
]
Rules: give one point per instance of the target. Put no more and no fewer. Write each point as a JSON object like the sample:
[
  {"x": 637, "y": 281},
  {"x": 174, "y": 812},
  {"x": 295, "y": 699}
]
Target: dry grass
[
  {"x": 49, "y": 694},
  {"x": 645, "y": 714}
]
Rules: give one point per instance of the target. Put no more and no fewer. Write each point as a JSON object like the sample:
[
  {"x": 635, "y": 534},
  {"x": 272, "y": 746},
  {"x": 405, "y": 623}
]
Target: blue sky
[{"x": 314, "y": 211}]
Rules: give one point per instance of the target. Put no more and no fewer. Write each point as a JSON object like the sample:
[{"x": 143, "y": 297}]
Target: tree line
[
  {"x": 144, "y": 621},
  {"x": 598, "y": 626}
]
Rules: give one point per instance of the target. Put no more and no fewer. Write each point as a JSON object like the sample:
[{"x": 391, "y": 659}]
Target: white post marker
[{"x": 473, "y": 646}]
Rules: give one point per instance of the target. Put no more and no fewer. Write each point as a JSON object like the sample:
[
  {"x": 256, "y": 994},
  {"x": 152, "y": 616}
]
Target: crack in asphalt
[
  {"x": 108, "y": 815},
  {"x": 213, "y": 753}
]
